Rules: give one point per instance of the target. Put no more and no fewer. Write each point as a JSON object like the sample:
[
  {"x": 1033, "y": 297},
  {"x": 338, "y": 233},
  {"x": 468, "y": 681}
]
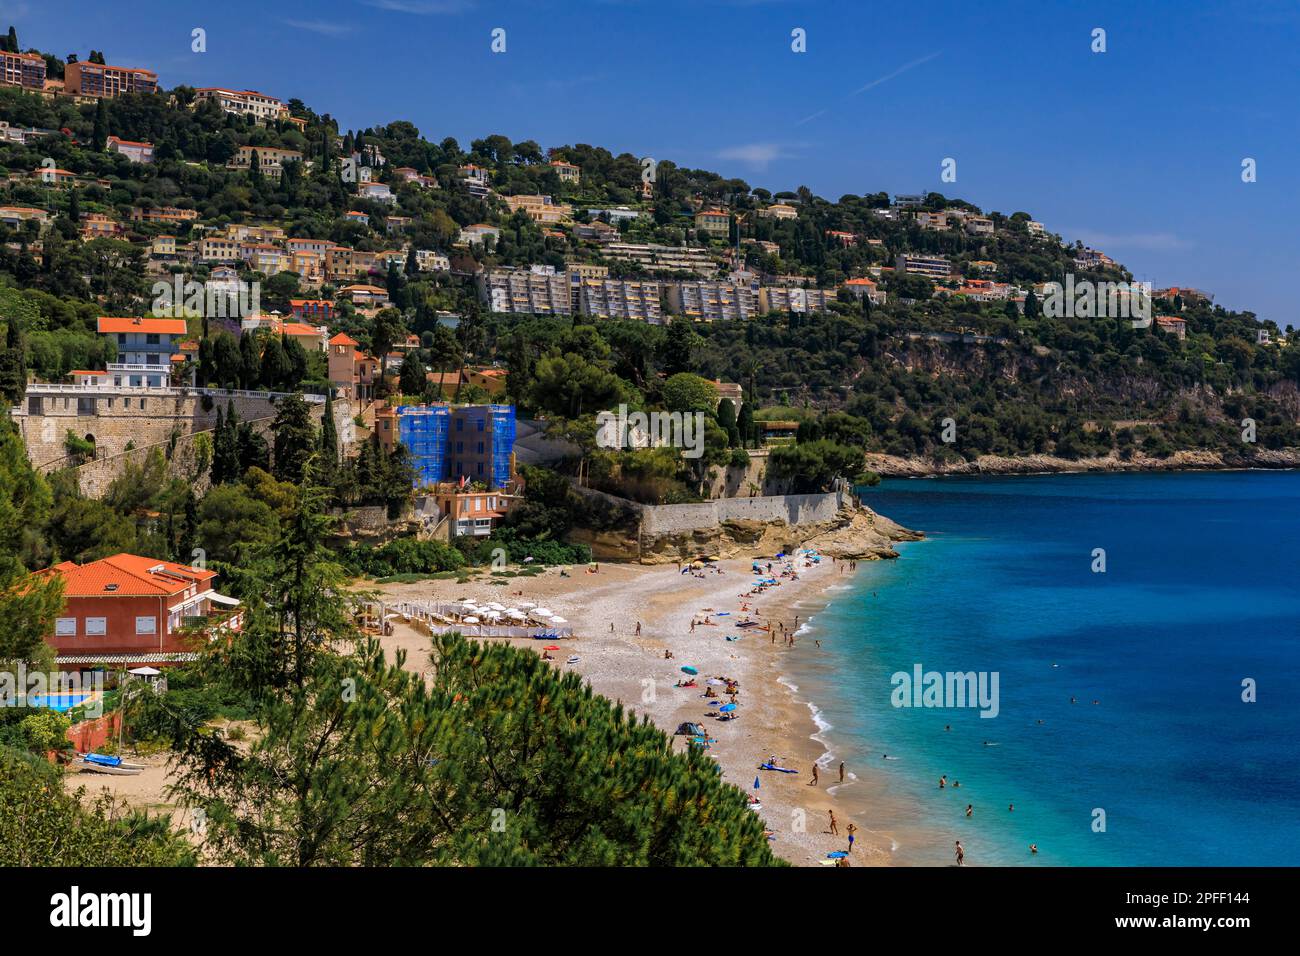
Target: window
[
  {"x": 480, "y": 424},
  {"x": 121, "y": 338},
  {"x": 460, "y": 424},
  {"x": 96, "y": 626},
  {"x": 480, "y": 448},
  {"x": 146, "y": 625},
  {"x": 65, "y": 627},
  {"x": 151, "y": 338}
]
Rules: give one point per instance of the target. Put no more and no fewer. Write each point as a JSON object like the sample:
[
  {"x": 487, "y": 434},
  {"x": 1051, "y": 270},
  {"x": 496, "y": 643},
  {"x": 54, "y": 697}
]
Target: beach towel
[{"x": 768, "y": 766}]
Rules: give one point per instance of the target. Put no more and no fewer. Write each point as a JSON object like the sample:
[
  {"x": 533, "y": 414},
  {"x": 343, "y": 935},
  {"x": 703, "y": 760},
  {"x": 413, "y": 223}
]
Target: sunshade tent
[
  {"x": 144, "y": 671},
  {"x": 690, "y": 730},
  {"x": 688, "y": 669}
]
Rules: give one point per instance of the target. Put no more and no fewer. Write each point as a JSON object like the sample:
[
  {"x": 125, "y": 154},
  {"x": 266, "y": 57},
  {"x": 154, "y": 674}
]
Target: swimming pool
[{"x": 56, "y": 702}]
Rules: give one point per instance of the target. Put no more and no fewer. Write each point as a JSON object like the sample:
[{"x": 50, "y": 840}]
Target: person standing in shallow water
[
  {"x": 959, "y": 853},
  {"x": 841, "y": 771}
]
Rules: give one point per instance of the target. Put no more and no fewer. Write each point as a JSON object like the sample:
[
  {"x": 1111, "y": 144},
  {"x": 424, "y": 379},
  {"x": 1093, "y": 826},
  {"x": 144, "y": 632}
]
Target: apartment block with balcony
[
  {"x": 794, "y": 299},
  {"x": 261, "y": 107},
  {"x": 653, "y": 257},
  {"x": 525, "y": 292},
  {"x": 22, "y": 69},
  {"x": 95, "y": 79},
  {"x": 932, "y": 267},
  {"x": 712, "y": 301},
  {"x": 633, "y": 300}
]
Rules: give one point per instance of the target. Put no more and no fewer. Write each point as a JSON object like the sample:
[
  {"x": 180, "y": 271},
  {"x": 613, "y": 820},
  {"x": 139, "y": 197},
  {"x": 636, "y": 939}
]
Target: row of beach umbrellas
[{"x": 494, "y": 611}]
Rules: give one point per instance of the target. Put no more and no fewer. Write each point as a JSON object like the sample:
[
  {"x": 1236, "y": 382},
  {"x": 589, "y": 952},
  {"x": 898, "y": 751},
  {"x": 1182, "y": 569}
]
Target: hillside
[{"x": 974, "y": 347}]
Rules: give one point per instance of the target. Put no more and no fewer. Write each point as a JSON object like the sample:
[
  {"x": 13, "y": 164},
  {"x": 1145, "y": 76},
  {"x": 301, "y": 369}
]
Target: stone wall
[
  {"x": 790, "y": 509},
  {"x": 724, "y": 527},
  {"x": 170, "y": 423}
]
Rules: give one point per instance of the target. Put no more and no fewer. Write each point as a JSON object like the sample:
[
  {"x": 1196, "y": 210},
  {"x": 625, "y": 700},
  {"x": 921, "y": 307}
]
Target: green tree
[{"x": 295, "y": 439}]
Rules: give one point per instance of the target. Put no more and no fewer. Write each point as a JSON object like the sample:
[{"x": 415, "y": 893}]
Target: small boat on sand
[{"x": 99, "y": 763}]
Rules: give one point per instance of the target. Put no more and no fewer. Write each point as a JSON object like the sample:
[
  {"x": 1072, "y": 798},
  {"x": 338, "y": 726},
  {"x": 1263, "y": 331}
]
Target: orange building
[{"x": 129, "y": 610}]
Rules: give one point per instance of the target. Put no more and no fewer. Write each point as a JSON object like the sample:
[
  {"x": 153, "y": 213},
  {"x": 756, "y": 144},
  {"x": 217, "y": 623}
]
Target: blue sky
[{"x": 1137, "y": 150}]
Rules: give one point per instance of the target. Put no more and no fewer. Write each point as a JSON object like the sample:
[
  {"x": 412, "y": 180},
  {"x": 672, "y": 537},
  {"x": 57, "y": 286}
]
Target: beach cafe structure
[{"x": 472, "y": 619}]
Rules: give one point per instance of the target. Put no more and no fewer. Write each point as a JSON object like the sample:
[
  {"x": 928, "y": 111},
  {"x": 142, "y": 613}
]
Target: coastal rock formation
[
  {"x": 865, "y": 536},
  {"x": 855, "y": 532}
]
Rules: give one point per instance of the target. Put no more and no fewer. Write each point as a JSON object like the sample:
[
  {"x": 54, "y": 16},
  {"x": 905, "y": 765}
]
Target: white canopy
[{"x": 222, "y": 599}]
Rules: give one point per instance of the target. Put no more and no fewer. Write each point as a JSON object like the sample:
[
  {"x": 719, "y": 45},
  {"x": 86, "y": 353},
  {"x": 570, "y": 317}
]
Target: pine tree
[
  {"x": 745, "y": 425},
  {"x": 295, "y": 439},
  {"x": 13, "y": 364},
  {"x": 250, "y": 362},
  {"x": 329, "y": 438},
  {"x": 99, "y": 136},
  {"x": 276, "y": 369}
]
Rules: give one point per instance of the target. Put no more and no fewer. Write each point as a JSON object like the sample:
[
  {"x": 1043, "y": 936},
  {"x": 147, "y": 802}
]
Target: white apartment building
[
  {"x": 932, "y": 267},
  {"x": 793, "y": 299},
  {"x": 619, "y": 299},
  {"x": 525, "y": 292},
  {"x": 653, "y": 257},
  {"x": 712, "y": 301},
  {"x": 244, "y": 103}
]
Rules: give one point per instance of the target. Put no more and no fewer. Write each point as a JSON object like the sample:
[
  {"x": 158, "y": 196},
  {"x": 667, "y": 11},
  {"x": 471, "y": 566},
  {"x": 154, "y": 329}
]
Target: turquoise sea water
[{"x": 1199, "y": 593}]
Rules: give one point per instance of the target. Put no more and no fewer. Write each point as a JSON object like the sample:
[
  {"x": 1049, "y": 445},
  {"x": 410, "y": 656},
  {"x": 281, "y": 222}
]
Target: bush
[{"x": 403, "y": 556}]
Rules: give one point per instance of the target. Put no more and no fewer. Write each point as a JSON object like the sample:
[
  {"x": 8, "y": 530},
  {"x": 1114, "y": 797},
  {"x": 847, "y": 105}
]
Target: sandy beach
[
  {"x": 774, "y": 720},
  {"x": 632, "y": 669}
]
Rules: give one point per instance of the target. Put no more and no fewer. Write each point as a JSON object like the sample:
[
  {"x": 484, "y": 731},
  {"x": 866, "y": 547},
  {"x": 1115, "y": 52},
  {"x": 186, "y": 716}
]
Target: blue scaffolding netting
[{"x": 423, "y": 430}]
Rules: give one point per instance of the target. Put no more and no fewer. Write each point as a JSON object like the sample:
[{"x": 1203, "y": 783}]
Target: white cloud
[
  {"x": 423, "y": 8},
  {"x": 759, "y": 155},
  {"x": 327, "y": 28},
  {"x": 1146, "y": 241}
]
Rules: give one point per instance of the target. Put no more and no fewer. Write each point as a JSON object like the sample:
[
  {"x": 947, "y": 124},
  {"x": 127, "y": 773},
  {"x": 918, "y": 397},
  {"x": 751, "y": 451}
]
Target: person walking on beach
[
  {"x": 835, "y": 830},
  {"x": 638, "y": 628},
  {"x": 841, "y": 771},
  {"x": 611, "y": 627},
  {"x": 960, "y": 854},
  {"x": 813, "y": 782},
  {"x": 852, "y": 828}
]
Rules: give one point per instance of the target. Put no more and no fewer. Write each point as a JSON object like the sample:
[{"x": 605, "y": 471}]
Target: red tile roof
[
  {"x": 344, "y": 339},
  {"x": 110, "y": 324},
  {"x": 128, "y": 574}
]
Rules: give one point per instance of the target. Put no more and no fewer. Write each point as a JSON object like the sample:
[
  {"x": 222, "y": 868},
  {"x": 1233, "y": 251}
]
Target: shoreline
[
  {"x": 776, "y": 718},
  {"x": 896, "y": 466}
]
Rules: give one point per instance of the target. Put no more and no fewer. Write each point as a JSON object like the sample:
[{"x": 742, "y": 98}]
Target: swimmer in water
[
  {"x": 969, "y": 809},
  {"x": 943, "y": 781},
  {"x": 1033, "y": 848},
  {"x": 1011, "y": 808}
]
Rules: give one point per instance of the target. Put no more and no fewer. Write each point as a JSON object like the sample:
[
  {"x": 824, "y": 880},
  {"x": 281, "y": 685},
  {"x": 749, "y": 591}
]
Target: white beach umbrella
[
  {"x": 527, "y": 604},
  {"x": 558, "y": 620},
  {"x": 470, "y": 620},
  {"x": 543, "y": 611},
  {"x": 516, "y": 613},
  {"x": 497, "y": 607}
]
